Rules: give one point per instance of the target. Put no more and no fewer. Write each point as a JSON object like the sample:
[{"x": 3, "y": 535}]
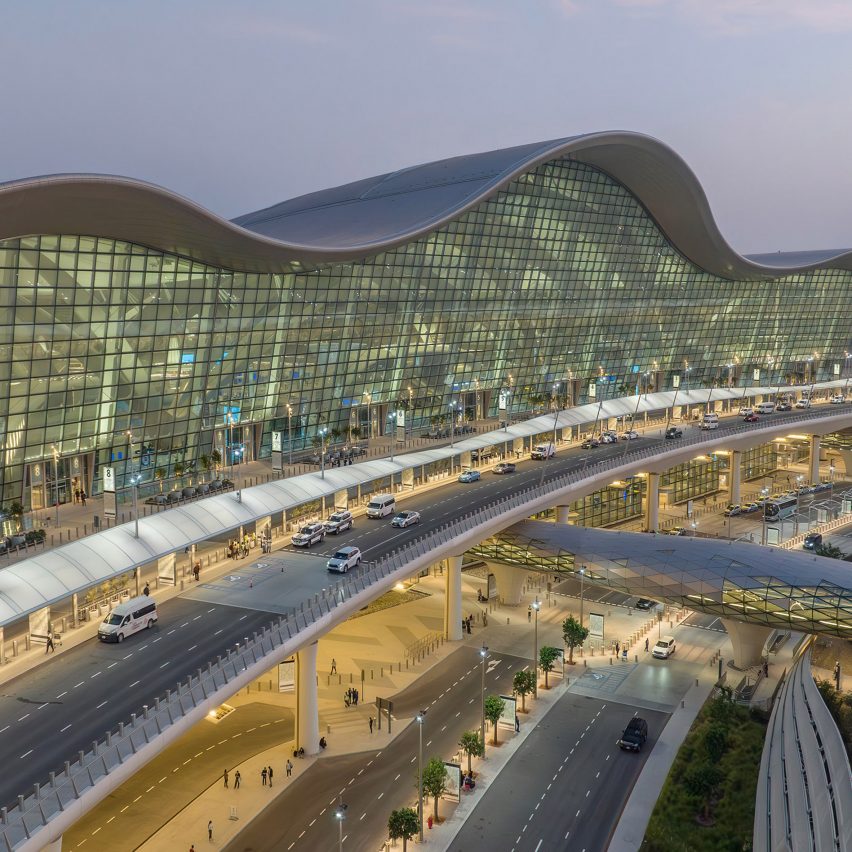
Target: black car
[
  {"x": 634, "y": 735},
  {"x": 505, "y": 467},
  {"x": 645, "y": 603},
  {"x": 590, "y": 443},
  {"x": 812, "y": 541},
  {"x": 674, "y": 432}
]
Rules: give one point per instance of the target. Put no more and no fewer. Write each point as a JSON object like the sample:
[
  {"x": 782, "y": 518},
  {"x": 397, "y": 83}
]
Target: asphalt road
[
  {"x": 60, "y": 707},
  {"x": 51, "y": 712},
  {"x": 566, "y": 788},
  {"x": 374, "y": 783}
]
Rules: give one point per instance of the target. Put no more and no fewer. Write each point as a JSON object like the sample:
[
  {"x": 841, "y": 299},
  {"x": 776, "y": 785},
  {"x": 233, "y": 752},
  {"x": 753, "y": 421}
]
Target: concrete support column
[
  {"x": 814, "y": 461},
  {"x": 846, "y": 458},
  {"x": 747, "y": 641},
  {"x": 137, "y": 574},
  {"x": 453, "y": 599},
  {"x": 75, "y": 609},
  {"x": 307, "y": 710},
  {"x": 53, "y": 846},
  {"x": 652, "y": 502},
  {"x": 563, "y": 513},
  {"x": 2, "y": 648},
  {"x": 736, "y": 476},
  {"x": 510, "y": 583}
]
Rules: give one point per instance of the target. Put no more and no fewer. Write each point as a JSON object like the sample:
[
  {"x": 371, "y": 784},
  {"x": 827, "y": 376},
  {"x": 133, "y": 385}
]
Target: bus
[{"x": 777, "y": 510}]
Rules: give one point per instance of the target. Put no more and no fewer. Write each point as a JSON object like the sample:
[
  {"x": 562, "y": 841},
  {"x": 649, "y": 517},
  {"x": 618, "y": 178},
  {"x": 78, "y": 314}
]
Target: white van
[
  {"x": 128, "y": 618},
  {"x": 381, "y": 506},
  {"x": 710, "y": 421},
  {"x": 764, "y": 407}
]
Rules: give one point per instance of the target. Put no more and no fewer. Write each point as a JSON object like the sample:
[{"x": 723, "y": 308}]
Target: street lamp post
[
  {"x": 56, "y": 478},
  {"x": 369, "y": 415},
  {"x": 340, "y": 815},
  {"x": 421, "y": 718},
  {"x": 290, "y": 431},
  {"x": 483, "y": 656},
  {"x": 392, "y": 417},
  {"x": 452, "y": 424},
  {"x": 231, "y": 442},
  {"x": 536, "y": 605},
  {"x": 134, "y": 481},
  {"x": 322, "y": 433},
  {"x": 765, "y": 493},
  {"x": 582, "y": 589}
]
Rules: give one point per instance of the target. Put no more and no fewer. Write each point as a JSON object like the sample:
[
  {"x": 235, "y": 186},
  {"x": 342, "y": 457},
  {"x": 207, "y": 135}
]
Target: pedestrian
[
  {"x": 624, "y": 653},
  {"x": 263, "y": 776},
  {"x": 192, "y": 848},
  {"x": 766, "y": 668},
  {"x": 485, "y": 619},
  {"x": 49, "y": 648},
  {"x": 517, "y": 724},
  {"x": 237, "y": 778},
  {"x": 83, "y": 497},
  {"x": 225, "y": 778},
  {"x": 289, "y": 767},
  {"x": 371, "y": 724},
  {"x": 269, "y": 772},
  {"x": 147, "y": 590},
  {"x": 197, "y": 570},
  {"x": 333, "y": 666},
  {"x": 210, "y": 830},
  {"x": 646, "y": 644},
  {"x": 617, "y": 648},
  {"x": 529, "y": 613}
]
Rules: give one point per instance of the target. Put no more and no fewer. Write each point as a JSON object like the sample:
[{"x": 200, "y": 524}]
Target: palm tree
[
  {"x": 179, "y": 472},
  {"x": 160, "y": 475},
  {"x": 204, "y": 459}
]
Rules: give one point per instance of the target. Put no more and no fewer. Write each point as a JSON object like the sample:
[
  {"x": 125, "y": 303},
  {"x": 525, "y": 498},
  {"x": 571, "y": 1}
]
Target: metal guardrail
[
  {"x": 45, "y": 802},
  {"x": 804, "y": 791}
]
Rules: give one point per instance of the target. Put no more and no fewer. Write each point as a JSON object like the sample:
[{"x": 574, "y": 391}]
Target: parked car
[
  {"x": 157, "y": 500},
  {"x": 308, "y": 535},
  {"x": 505, "y": 467},
  {"x": 732, "y": 509},
  {"x": 590, "y": 443},
  {"x": 803, "y": 403},
  {"x": 634, "y": 735},
  {"x": 674, "y": 432},
  {"x": 783, "y": 406},
  {"x": 746, "y": 412},
  {"x": 677, "y": 531},
  {"x": 339, "y": 522},
  {"x": 812, "y": 541},
  {"x": 344, "y": 559},
  {"x": 646, "y": 604},
  {"x": 821, "y": 486},
  {"x": 608, "y": 438},
  {"x": 483, "y": 454},
  {"x": 469, "y": 476},
  {"x": 629, "y": 435},
  {"x": 748, "y": 508},
  {"x": 406, "y": 519},
  {"x": 838, "y": 399},
  {"x": 664, "y": 648}
]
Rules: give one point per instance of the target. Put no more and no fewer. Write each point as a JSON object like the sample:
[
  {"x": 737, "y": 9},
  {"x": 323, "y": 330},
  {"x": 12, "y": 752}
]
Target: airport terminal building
[{"x": 576, "y": 269}]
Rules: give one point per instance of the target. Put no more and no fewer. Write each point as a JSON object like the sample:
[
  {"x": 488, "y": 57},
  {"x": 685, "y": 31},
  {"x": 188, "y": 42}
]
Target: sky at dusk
[{"x": 239, "y": 105}]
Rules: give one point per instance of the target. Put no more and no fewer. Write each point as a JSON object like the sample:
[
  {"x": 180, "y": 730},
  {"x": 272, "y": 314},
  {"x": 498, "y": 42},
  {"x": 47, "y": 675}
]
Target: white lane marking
[
  {"x": 135, "y": 683},
  {"x": 112, "y": 664},
  {"x": 64, "y": 729},
  {"x": 61, "y": 694},
  {"x": 42, "y": 705},
  {"x": 217, "y": 632},
  {"x": 196, "y": 618},
  {"x": 380, "y": 795},
  {"x": 102, "y": 704},
  {"x": 142, "y": 647},
  {"x": 211, "y": 609},
  {"x": 362, "y": 816},
  {"x": 397, "y": 778},
  {"x": 243, "y": 618},
  {"x": 127, "y": 656},
  {"x": 79, "y": 684},
  {"x": 192, "y": 648},
  {"x": 26, "y": 755},
  {"x": 23, "y": 717},
  {"x": 538, "y": 846},
  {"x": 170, "y": 632},
  {"x": 92, "y": 677},
  {"x": 156, "y": 640},
  {"x": 185, "y": 624},
  {"x": 164, "y": 664}
]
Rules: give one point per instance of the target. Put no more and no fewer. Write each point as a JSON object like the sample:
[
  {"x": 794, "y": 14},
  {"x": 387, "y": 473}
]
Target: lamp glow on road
[{"x": 399, "y": 587}]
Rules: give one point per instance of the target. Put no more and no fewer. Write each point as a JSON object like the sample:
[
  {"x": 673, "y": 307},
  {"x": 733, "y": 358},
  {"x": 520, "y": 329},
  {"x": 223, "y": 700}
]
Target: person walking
[
  {"x": 617, "y": 648},
  {"x": 83, "y": 497},
  {"x": 371, "y": 724},
  {"x": 263, "y": 776},
  {"x": 529, "y": 613},
  {"x": 289, "y": 767},
  {"x": 237, "y": 778},
  {"x": 356, "y": 697},
  {"x": 225, "y": 778},
  {"x": 646, "y": 644},
  {"x": 197, "y": 570},
  {"x": 517, "y": 723},
  {"x": 269, "y": 773},
  {"x": 49, "y": 647},
  {"x": 210, "y": 830},
  {"x": 333, "y": 666},
  {"x": 147, "y": 590}
]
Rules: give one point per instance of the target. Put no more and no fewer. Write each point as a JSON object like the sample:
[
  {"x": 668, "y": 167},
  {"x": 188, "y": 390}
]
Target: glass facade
[{"x": 560, "y": 276}]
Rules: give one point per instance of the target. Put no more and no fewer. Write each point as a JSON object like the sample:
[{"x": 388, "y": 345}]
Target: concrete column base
[
  {"x": 652, "y": 502},
  {"x": 736, "y": 477},
  {"x": 510, "y": 583},
  {"x": 748, "y": 641},
  {"x": 453, "y": 599},
  {"x": 563, "y": 514},
  {"x": 814, "y": 459},
  {"x": 307, "y": 710},
  {"x": 53, "y": 846}
]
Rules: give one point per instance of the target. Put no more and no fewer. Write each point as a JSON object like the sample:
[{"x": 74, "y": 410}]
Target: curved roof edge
[{"x": 359, "y": 219}]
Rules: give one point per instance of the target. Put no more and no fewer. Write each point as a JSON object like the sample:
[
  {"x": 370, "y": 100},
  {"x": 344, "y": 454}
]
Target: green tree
[
  {"x": 435, "y": 779},
  {"x": 701, "y": 781},
  {"x": 524, "y": 683},
  {"x": 716, "y": 741},
  {"x": 179, "y": 472},
  {"x": 547, "y": 657},
  {"x": 471, "y": 744},
  {"x": 335, "y": 434},
  {"x": 403, "y": 823},
  {"x": 204, "y": 461},
  {"x": 721, "y": 708},
  {"x": 355, "y": 433},
  {"x": 573, "y": 634},
  {"x": 832, "y": 551},
  {"x": 160, "y": 475},
  {"x": 216, "y": 458},
  {"x": 493, "y": 712},
  {"x": 16, "y": 510}
]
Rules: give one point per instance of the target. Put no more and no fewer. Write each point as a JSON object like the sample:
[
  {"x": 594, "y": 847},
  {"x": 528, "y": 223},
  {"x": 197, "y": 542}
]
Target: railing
[
  {"x": 804, "y": 794},
  {"x": 48, "y": 802},
  {"x": 828, "y": 526}
]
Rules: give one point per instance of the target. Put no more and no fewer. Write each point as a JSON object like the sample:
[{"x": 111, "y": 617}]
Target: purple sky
[{"x": 241, "y": 105}]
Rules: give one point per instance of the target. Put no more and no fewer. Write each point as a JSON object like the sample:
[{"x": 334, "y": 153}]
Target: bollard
[
  {"x": 95, "y": 748},
  {"x": 507, "y": 619},
  {"x": 682, "y": 705},
  {"x": 696, "y": 681},
  {"x": 80, "y": 757},
  {"x": 20, "y": 803},
  {"x": 67, "y": 768},
  {"x": 14, "y": 647},
  {"x": 132, "y": 720},
  {"x": 36, "y": 789},
  {"x": 145, "y": 711},
  {"x": 636, "y": 657},
  {"x": 108, "y": 739},
  {"x": 585, "y": 664},
  {"x": 52, "y": 779},
  {"x": 610, "y": 660}
]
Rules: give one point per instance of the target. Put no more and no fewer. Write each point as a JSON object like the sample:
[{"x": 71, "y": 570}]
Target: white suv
[
  {"x": 308, "y": 535},
  {"x": 664, "y": 648},
  {"x": 344, "y": 559},
  {"x": 339, "y": 522},
  {"x": 804, "y": 402}
]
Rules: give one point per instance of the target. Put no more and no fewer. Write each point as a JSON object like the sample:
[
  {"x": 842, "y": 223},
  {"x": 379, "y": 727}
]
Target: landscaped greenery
[{"x": 707, "y": 802}]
